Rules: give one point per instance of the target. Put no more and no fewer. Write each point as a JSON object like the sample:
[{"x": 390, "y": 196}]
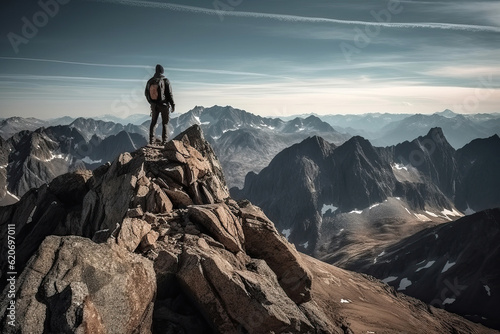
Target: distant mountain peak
[
  {"x": 447, "y": 113},
  {"x": 317, "y": 141},
  {"x": 436, "y": 137},
  {"x": 436, "y": 131},
  {"x": 358, "y": 141}
]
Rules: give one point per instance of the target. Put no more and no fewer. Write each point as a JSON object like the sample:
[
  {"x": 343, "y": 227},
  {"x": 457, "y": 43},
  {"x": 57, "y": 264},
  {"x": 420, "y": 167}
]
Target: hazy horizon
[{"x": 271, "y": 58}]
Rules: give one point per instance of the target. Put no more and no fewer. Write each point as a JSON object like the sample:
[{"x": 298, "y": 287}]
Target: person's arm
[{"x": 170, "y": 96}]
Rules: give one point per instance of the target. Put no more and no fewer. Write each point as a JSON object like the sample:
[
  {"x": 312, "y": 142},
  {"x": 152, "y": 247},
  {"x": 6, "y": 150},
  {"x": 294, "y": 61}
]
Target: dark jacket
[{"x": 169, "y": 98}]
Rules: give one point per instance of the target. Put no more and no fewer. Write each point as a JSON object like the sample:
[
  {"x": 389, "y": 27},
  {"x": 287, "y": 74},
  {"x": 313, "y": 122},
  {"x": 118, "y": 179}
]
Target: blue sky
[{"x": 273, "y": 58}]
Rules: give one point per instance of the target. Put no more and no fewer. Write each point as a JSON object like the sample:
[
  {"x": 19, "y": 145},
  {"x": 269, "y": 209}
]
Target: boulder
[
  {"x": 111, "y": 191},
  {"x": 73, "y": 285},
  {"x": 233, "y": 297},
  {"x": 221, "y": 223},
  {"x": 157, "y": 201},
  {"x": 149, "y": 240},
  {"x": 279, "y": 254},
  {"x": 131, "y": 233},
  {"x": 179, "y": 198}
]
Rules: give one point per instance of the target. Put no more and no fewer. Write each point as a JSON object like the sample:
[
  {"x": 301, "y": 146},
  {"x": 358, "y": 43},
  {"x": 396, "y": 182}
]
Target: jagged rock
[
  {"x": 47, "y": 210},
  {"x": 143, "y": 181},
  {"x": 149, "y": 240},
  {"x": 234, "y": 297},
  {"x": 220, "y": 266},
  {"x": 150, "y": 218},
  {"x": 69, "y": 187},
  {"x": 74, "y": 285},
  {"x": 131, "y": 233},
  {"x": 176, "y": 173},
  {"x": 109, "y": 199},
  {"x": 135, "y": 212},
  {"x": 157, "y": 201},
  {"x": 280, "y": 255},
  {"x": 221, "y": 223},
  {"x": 179, "y": 198}
]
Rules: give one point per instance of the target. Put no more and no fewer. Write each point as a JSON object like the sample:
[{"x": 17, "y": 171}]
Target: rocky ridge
[
  {"x": 152, "y": 243},
  {"x": 31, "y": 159}
]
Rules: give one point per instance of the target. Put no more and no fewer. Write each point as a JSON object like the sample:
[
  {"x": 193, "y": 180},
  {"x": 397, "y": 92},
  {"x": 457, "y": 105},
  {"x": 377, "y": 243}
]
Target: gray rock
[
  {"x": 221, "y": 223},
  {"x": 74, "y": 285},
  {"x": 280, "y": 255},
  {"x": 131, "y": 233}
]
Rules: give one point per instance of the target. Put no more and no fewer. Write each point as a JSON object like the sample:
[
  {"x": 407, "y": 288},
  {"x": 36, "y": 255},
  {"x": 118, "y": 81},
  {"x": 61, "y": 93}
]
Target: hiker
[{"x": 159, "y": 95}]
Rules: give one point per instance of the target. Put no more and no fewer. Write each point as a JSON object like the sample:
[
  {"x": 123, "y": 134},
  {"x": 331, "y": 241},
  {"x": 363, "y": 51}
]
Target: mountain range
[
  {"x": 33, "y": 158},
  {"x": 153, "y": 243},
  {"x": 245, "y": 142},
  {"x": 453, "y": 266},
  {"x": 350, "y": 202},
  {"x": 391, "y": 129},
  {"x": 459, "y": 129}
]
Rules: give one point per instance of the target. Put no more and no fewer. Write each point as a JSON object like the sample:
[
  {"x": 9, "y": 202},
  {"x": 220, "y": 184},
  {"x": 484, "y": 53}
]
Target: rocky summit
[{"x": 153, "y": 243}]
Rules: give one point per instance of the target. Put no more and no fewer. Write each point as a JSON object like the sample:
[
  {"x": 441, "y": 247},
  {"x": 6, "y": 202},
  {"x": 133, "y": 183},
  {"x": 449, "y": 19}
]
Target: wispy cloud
[
  {"x": 63, "y": 78},
  {"x": 75, "y": 62},
  {"x": 296, "y": 18},
  {"x": 466, "y": 72},
  {"x": 173, "y": 69}
]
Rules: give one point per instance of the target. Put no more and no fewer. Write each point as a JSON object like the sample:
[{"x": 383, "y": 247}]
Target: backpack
[{"x": 157, "y": 89}]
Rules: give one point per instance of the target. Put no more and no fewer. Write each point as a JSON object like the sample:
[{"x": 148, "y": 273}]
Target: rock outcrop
[
  {"x": 31, "y": 159},
  {"x": 72, "y": 285},
  {"x": 160, "y": 247}
]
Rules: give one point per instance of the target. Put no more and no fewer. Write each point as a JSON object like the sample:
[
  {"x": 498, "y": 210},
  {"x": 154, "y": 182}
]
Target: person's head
[{"x": 159, "y": 69}]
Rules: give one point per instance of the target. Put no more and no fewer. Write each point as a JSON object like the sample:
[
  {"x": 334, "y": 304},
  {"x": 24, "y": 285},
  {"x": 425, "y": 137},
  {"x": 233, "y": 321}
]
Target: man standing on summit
[{"x": 159, "y": 95}]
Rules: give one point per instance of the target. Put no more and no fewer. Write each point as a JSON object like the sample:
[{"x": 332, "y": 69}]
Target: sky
[{"x": 272, "y": 58}]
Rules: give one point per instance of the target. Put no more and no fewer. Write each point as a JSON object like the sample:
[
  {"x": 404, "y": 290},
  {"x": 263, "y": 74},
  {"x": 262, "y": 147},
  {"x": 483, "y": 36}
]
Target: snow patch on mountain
[
  {"x": 432, "y": 214},
  {"x": 390, "y": 279},
  {"x": 55, "y": 156},
  {"x": 428, "y": 265},
  {"x": 375, "y": 259},
  {"x": 421, "y": 217},
  {"x": 327, "y": 207},
  {"x": 403, "y": 284},
  {"x": 453, "y": 213},
  {"x": 447, "y": 266},
  {"x": 449, "y": 301},
  {"x": 286, "y": 233},
  {"x": 469, "y": 211},
  {"x": 488, "y": 290},
  {"x": 13, "y": 196},
  {"x": 399, "y": 167},
  {"x": 89, "y": 161}
]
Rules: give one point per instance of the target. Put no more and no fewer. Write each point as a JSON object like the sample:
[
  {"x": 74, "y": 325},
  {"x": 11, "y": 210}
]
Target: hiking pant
[{"x": 156, "y": 110}]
